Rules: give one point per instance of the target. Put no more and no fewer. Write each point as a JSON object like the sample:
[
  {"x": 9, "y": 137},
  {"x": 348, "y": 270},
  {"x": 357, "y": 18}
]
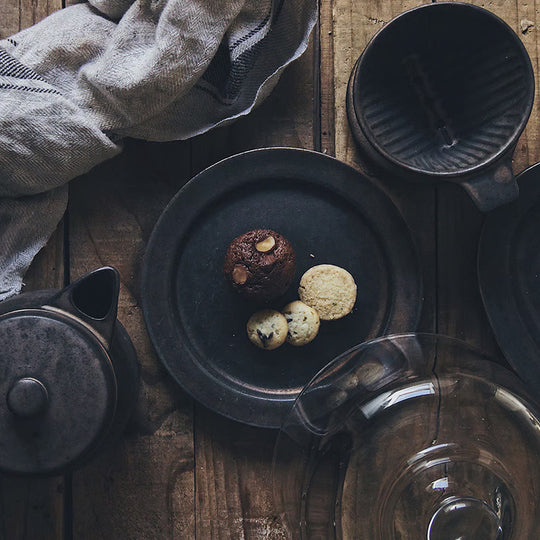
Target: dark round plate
[
  {"x": 509, "y": 276},
  {"x": 331, "y": 214}
]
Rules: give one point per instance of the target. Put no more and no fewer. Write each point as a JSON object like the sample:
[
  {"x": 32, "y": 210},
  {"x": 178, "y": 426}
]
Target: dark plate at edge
[
  {"x": 196, "y": 323},
  {"x": 505, "y": 267}
]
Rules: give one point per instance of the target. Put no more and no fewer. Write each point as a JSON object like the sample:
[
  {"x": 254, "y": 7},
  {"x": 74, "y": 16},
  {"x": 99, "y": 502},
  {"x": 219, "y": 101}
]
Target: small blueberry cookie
[
  {"x": 303, "y": 322},
  {"x": 328, "y": 289},
  {"x": 267, "y": 329}
]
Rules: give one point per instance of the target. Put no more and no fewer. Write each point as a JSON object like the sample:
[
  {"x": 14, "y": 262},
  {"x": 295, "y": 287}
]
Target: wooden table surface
[{"x": 182, "y": 471}]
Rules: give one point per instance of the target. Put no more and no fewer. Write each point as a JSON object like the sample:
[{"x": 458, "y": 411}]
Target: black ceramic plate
[
  {"x": 509, "y": 276},
  {"x": 331, "y": 214}
]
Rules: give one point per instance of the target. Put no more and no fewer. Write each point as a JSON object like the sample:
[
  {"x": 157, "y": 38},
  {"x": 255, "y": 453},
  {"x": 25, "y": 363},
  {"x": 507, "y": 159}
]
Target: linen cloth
[{"x": 75, "y": 84}]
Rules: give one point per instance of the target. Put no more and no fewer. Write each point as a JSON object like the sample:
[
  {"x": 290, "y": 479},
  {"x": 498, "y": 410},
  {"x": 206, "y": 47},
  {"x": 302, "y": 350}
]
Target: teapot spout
[{"x": 94, "y": 299}]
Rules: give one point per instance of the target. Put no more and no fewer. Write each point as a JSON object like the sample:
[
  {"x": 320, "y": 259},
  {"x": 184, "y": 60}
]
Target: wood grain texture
[
  {"x": 325, "y": 68},
  {"x": 460, "y": 312},
  {"x": 524, "y": 17},
  {"x": 181, "y": 471},
  {"x": 353, "y": 25},
  {"x": 142, "y": 487},
  {"x": 9, "y": 18},
  {"x": 234, "y": 480},
  {"x": 233, "y": 462},
  {"x": 32, "y": 509}
]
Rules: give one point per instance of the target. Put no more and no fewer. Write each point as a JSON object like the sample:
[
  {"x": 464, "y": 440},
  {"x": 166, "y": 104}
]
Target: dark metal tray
[
  {"x": 331, "y": 214},
  {"x": 509, "y": 276}
]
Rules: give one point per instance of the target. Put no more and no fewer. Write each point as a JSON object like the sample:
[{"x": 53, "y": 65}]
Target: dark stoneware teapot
[{"x": 68, "y": 375}]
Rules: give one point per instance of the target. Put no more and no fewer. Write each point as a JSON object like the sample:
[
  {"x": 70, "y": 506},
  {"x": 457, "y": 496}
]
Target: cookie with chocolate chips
[
  {"x": 267, "y": 329},
  {"x": 260, "y": 265}
]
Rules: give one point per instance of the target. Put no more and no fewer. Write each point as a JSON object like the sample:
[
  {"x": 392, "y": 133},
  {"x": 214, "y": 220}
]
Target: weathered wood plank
[
  {"x": 32, "y": 509},
  {"x": 450, "y": 220},
  {"x": 461, "y": 313},
  {"x": 143, "y": 486},
  {"x": 31, "y": 12},
  {"x": 326, "y": 78},
  {"x": 233, "y": 461},
  {"x": 146, "y": 487},
  {"x": 460, "y": 310},
  {"x": 526, "y": 23},
  {"x": 354, "y": 24},
  {"x": 234, "y": 480},
  {"x": 9, "y": 18}
]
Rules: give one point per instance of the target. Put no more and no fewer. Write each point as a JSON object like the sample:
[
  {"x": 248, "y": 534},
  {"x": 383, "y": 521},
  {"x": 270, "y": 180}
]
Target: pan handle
[{"x": 494, "y": 187}]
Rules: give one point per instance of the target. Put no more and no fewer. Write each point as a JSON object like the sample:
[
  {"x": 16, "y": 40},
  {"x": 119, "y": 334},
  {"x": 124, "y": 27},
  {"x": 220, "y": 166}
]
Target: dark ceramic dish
[
  {"x": 509, "y": 276},
  {"x": 331, "y": 214},
  {"x": 443, "y": 92}
]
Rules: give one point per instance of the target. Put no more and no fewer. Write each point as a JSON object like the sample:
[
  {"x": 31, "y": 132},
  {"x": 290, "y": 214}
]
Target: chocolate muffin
[{"x": 260, "y": 265}]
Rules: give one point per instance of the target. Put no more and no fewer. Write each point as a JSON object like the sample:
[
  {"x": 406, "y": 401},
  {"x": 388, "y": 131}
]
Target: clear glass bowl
[{"x": 411, "y": 437}]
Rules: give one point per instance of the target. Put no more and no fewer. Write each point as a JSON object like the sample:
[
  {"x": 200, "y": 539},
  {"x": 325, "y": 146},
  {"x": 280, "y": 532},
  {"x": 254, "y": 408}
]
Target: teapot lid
[{"x": 57, "y": 390}]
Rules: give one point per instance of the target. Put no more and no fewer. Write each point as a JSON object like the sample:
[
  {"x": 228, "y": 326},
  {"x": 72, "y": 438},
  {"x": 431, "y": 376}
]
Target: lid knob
[{"x": 27, "y": 397}]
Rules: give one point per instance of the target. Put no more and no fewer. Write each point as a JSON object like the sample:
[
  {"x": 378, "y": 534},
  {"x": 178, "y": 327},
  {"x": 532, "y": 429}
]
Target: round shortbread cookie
[
  {"x": 328, "y": 289},
  {"x": 267, "y": 329},
  {"x": 303, "y": 323}
]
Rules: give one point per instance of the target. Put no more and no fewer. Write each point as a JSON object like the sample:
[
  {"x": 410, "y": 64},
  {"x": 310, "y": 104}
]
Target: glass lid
[{"x": 410, "y": 437}]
